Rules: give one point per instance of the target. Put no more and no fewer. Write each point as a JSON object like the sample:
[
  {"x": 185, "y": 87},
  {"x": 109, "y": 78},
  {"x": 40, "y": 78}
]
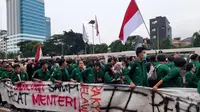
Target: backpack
[{"x": 153, "y": 72}]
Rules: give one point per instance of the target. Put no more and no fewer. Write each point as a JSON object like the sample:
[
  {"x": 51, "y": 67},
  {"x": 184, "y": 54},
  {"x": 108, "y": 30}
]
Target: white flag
[{"x": 85, "y": 36}]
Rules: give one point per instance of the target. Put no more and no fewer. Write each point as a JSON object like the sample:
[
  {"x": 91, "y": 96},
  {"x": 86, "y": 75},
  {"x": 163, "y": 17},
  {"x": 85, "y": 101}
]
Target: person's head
[
  {"x": 132, "y": 58},
  {"x": 90, "y": 65},
  {"x": 194, "y": 57},
  {"x": 125, "y": 63},
  {"x": 9, "y": 68},
  {"x": 81, "y": 64},
  {"x": 69, "y": 61},
  {"x": 161, "y": 58},
  {"x": 109, "y": 68},
  {"x": 44, "y": 65},
  {"x": 199, "y": 59},
  {"x": 153, "y": 58},
  {"x": 171, "y": 58},
  {"x": 109, "y": 60},
  {"x": 179, "y": 62},
  {"x": 114, "y": 60},
  {"x": 97, "y": 66},
  {"x": 4, "y": 63},
  {"x": 190, "y": 67},
  {"x": 62, "y": 63},
  {"x": 17, "y": 68},
  {"x": 141, "y": 53}
]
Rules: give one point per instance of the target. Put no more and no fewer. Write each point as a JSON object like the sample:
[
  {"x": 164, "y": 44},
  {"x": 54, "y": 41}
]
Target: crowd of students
[{"x": 148, "y": 71}]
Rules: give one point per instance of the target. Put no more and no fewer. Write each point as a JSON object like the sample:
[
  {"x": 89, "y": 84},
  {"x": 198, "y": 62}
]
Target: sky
[{"x": 184, "y": 16}]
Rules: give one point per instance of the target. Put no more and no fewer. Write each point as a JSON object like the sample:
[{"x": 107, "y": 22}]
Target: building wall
[
  {"x": 48, "y": 27},
  {"x": 25, "y": 21},
  {"x": 160, "y": 27}
]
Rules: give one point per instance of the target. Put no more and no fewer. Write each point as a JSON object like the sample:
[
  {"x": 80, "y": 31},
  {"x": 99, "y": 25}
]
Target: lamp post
[{"x": 92, "y": 22}]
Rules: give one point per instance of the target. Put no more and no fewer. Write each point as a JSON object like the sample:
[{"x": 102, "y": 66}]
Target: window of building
[
  {"x": 153, "y": 29},
  {"x": 154, "y": 22},
  {"x": 154, "y": 37},
  {"x": 162, "y": 27}
]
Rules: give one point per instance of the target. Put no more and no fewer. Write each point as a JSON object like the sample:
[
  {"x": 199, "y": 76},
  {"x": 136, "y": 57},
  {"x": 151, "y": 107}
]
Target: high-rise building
[
  {"x": 48, "y": 27},
  {"x": 25, "y": 21},
  {"x": 159, "y": 29},
  {"x": 3, "y": 36}
]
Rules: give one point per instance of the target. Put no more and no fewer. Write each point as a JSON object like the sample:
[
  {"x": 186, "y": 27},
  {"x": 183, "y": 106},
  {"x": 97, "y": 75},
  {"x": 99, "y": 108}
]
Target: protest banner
[{"x": 99, "y": 98}]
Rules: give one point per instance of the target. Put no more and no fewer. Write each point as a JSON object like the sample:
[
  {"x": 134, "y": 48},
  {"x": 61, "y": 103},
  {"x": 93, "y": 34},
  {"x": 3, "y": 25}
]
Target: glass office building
[
  {"x": 48, "y": 27},
  {"x": 25, "y": 21}
]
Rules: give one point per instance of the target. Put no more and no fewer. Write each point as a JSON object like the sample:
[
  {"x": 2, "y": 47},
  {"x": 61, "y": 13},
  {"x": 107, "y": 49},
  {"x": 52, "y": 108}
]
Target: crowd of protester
[{"x": 156, "y": 71}]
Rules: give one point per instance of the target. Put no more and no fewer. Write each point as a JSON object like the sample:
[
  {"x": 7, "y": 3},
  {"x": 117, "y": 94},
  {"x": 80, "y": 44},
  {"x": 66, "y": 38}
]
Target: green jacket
[
  {"x": 6, "y": 75},
  {"x": 171, "y": 65},
  {"x": 125, "y": 72},
  {"x": 195, "y": 62},
  {"x": 173, "y": 79},
  {"x": 39, "y": 74},
  {"x": 23, "y": 76},
  {"x": 109, "y": 77},
  {"x": 138, "y": 73},
  {"x": 90, "y": 75},
  {"x": 77, "y": 75},
  {"x": 191, "y": 80},
  {"x": 58, "y": 75},
  {"x": 1, "y": 72},
  {"x": 161, "y": 70},
  {"x": 197, "y": 72},
  {"x": 198, "y": 88},
  {"x": 53, "y": 68}
]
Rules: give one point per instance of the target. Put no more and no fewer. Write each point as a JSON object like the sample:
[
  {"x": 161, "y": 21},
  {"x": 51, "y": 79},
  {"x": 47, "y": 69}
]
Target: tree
[
  {"x": 28, "y": 48},
  {"x": 196, "y": 39},
  {"x": 2, "y": 55},
  {"x": 117, "y": 46},
  {"x": 165, "y": 44},
  {"x": 101, "y": 48}
]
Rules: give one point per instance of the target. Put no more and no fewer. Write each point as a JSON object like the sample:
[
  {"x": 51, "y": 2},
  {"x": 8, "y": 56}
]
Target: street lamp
[{"x": 92, "y": 22}]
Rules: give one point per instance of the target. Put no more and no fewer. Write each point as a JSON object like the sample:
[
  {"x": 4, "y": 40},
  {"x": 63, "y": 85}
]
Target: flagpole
[{"x": 146, "y": 27}]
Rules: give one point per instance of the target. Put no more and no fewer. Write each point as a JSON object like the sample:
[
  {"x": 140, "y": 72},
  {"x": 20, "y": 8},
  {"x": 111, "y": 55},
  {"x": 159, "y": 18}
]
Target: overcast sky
[{"x": 184, "y": 16}]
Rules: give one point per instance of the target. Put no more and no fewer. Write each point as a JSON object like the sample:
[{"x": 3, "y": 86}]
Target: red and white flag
[
  {"x": 132, "y": 20},
  {"x": 96, "y": 26},
  {"x": 38, "y": 55}
]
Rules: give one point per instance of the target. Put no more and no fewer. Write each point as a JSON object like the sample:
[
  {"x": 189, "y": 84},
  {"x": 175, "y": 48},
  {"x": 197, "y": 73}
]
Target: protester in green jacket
[
  {"x": 174, "y": 78},
  {"x": 6, "y": 76},
  {"x": 42, "y": 74},
  {"x": 162, "y": 69},
  {"x": 77, "y": 72},
  {"x": 191, "y": 78},
  {"x": 93, "y": 74},
  {"x": 110, "y": 77},
  {"x": 125, "y": 72},
  {"x": 194, "y": 59},
  {"x": 60, "y": 75},
  {"x": 54, "y": 67},
  {"x": 138, "y": 72},
  {"x": 18, "y": 76},
  {"x": 197, "y": 72},
  {"x": 170, "y": 63}
]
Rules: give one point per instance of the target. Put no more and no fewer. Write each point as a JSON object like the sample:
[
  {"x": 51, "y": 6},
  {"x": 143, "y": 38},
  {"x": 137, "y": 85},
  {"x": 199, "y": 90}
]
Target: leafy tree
[
  {"x": 117, "y": 46},
  {"x": 165, "y": 44},
  {"x": 196, "y": 39},
  {"x": 2, "y": 55},
  {"x": 28, "y": 48},
  {"x": 101, "y": 48}
]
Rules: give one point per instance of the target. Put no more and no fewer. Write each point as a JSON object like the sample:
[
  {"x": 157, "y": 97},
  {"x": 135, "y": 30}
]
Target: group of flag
[{"x": 132, "y": 20}]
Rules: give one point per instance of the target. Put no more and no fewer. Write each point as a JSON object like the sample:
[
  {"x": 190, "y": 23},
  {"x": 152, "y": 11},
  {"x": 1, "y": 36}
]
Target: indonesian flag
[
  {"x": 132, "y": 20},
  {"x": 96, "y": 26},
  {"x": 38, "y": 53}
]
